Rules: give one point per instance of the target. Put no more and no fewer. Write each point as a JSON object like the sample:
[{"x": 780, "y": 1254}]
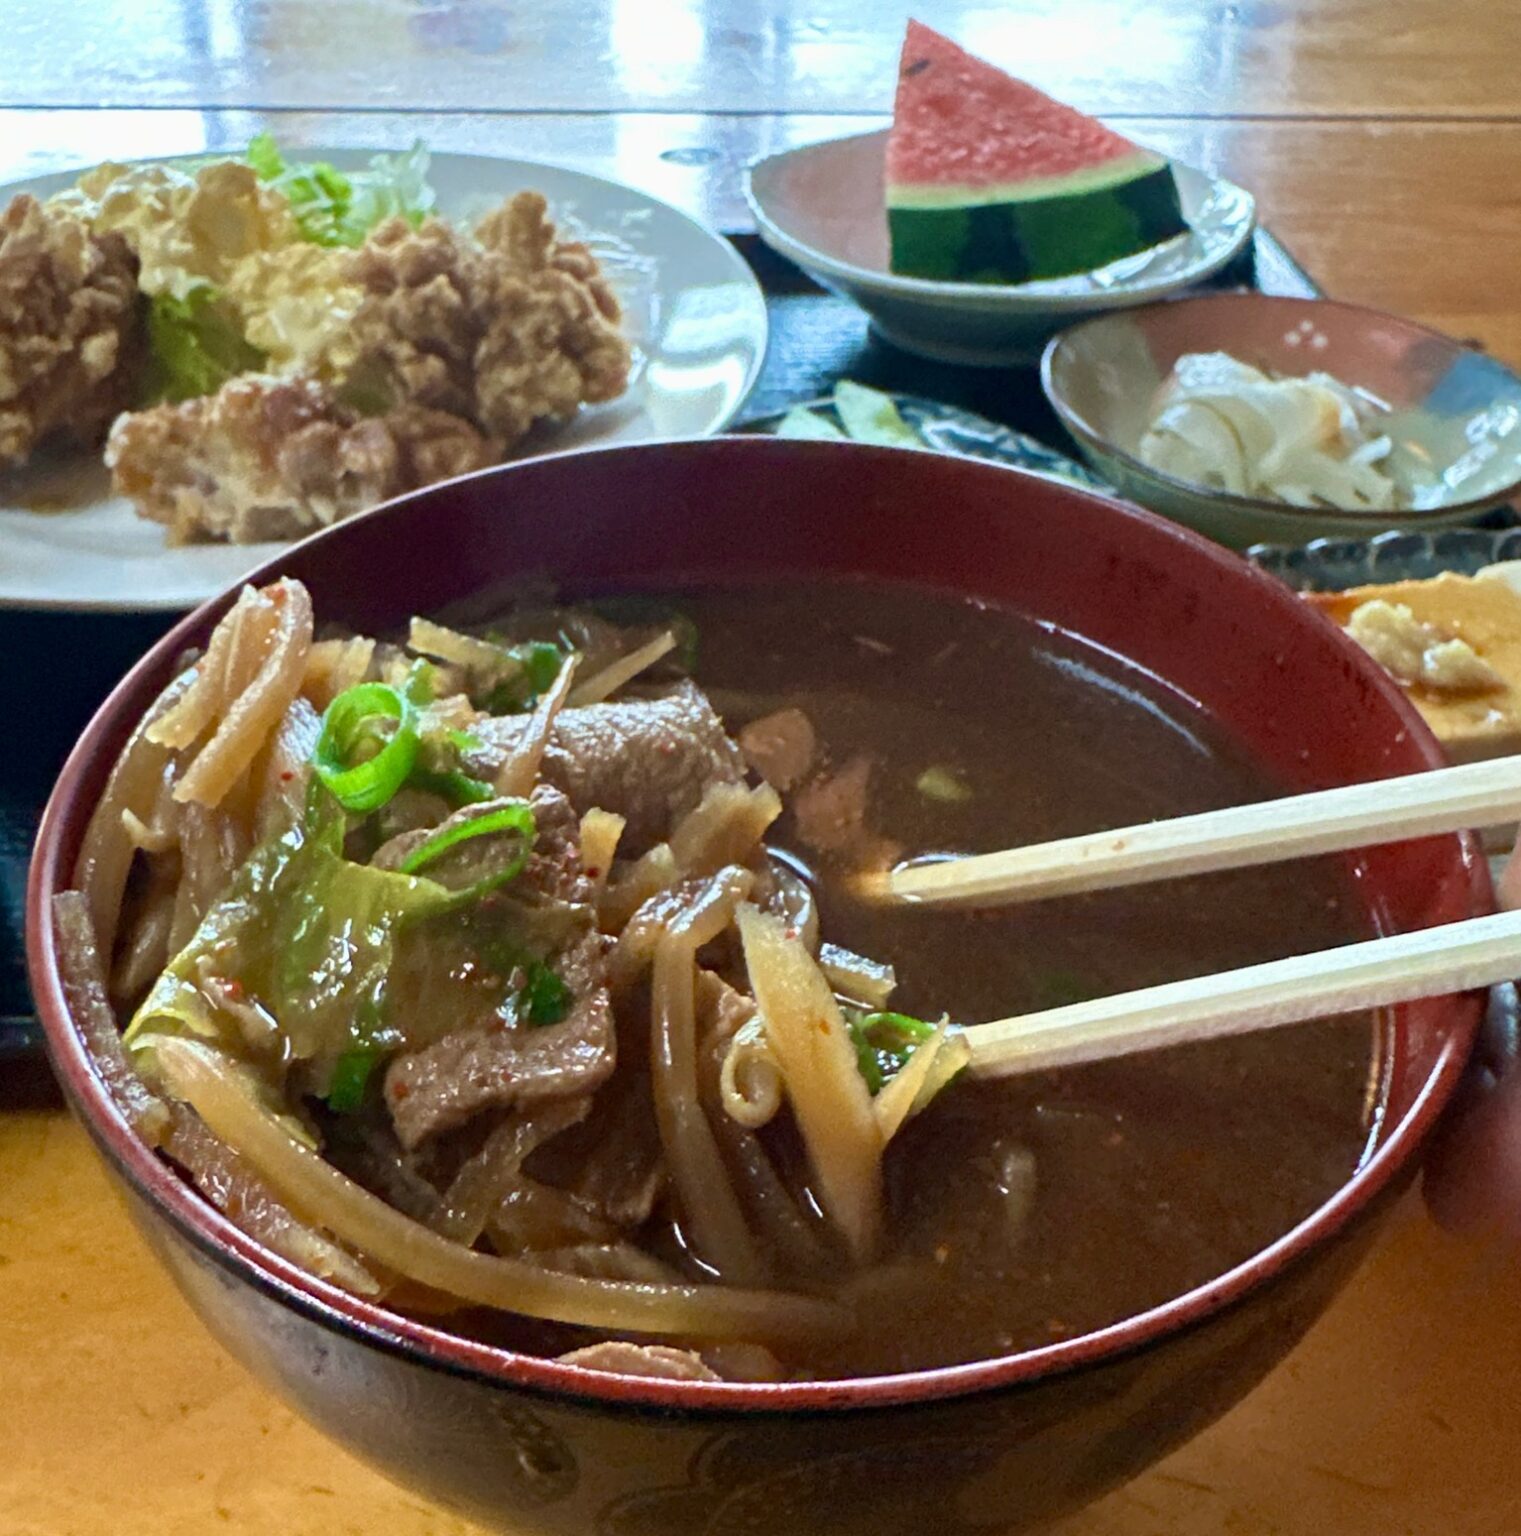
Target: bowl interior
[
  {"x": 1454, "y": 414},
  {"x": 1295, "y": 691},
  {"x": 826, "y": 201}
]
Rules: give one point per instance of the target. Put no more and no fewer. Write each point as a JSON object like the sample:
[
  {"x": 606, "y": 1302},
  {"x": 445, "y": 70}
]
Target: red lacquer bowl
[{"x": 530, "y": 1445}]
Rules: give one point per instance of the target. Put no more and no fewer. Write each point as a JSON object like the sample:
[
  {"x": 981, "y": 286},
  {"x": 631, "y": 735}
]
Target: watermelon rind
[{"x": 1024, "y": 239}]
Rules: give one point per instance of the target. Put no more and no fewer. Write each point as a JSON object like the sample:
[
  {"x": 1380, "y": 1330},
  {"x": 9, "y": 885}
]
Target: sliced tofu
[{"x": 1485, "y": 613}]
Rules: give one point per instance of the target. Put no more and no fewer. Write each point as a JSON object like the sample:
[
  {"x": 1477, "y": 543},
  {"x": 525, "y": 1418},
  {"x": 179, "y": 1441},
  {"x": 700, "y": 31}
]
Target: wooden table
[{"x": 1383, "y": 140}]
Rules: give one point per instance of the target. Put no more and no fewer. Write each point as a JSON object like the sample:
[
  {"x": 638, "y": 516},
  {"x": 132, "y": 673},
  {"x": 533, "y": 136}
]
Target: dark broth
[{"x": 1151, "y": 1175}]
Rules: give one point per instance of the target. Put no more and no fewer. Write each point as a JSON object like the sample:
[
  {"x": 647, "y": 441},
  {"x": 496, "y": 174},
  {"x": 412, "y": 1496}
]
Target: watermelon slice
[{"x": 992, "y": 181}]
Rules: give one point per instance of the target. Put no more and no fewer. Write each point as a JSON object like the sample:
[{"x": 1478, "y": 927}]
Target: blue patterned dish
[
  {"x": 1331, "y": 565},
  {"x": 949, "y": 429}
]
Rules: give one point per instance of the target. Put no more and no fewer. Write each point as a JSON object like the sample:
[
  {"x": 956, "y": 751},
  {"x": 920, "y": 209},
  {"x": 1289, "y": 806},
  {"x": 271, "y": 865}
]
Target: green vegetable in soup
[
  {"x": 943, "y": 784},
  {"x": 303, "y": 941},
  {"x": 536, "y": 665},
  {"x": 340, "y": 208},
  {"x": 351, "y": 1077},
  {"x": 303, "y": 945},
  {"x": 451, "y": 784},
  {"x": 367, "y": 747},
  {"x": 884, "y": 1042},
  {"x": 544, "y": 998},
  {"x": 513, "y": 820},
  {"x": 334, "y": 936}
]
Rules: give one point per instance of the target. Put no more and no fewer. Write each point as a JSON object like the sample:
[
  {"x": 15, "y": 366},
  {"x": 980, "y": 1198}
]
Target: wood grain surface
[
  {"x": 1383, "y": 141},
  {"x": 1276, "y": 58},
  {"x": 1395, "y": 1417},
  {"x": 1423, "y": 217}
]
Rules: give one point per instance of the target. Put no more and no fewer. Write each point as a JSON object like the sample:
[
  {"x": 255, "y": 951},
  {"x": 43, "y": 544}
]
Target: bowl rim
[
  {"x": 195, "y": 1220},
  {"x": 1086, "y": 433},
  {"x": 1009, "y": 298}
]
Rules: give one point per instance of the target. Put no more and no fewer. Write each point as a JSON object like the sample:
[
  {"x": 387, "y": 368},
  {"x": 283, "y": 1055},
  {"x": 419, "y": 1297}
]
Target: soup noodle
[{"x": 509, "y": 976}]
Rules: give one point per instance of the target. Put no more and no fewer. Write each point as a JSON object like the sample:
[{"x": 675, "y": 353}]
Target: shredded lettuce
[
  {"x": 194, "y": 346},
  {"x": 334, "y": 207}
]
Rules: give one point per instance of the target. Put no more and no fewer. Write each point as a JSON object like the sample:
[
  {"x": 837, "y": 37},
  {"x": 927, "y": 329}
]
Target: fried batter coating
[
  {"x": 414, "y": 335},
  {"x": 550, "y": 337},
  {"x": 508, "y": 330},
  {"x": 269, "y": 458},
  {"x": 70, "y": 328},
  {"x": 456, "y": 348}
]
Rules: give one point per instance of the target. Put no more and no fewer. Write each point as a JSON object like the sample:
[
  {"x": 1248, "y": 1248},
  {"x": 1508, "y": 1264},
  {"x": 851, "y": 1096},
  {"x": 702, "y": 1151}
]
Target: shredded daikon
[{"x": 1309, "y": 442}]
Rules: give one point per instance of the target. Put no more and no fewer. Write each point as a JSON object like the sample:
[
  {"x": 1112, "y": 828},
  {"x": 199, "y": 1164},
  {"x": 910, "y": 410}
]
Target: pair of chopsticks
[{"x": 1454, "y": 957}]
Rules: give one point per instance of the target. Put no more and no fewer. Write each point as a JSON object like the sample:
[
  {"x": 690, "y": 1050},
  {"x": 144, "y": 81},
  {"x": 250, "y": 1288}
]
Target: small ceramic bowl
[
  {"x": 536, "y": 1446},
  {"x": 823, "y": 207},
  {"x": 1454, "y": 413}
]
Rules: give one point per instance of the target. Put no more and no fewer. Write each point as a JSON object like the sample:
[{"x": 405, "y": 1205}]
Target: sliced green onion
[
  {"x": 354, "y": 722},
  {"x": 538, "y": 664},
  {"x": 884, "y": 1042},
  {"x": 514, "y": 818},
  {"x": 944, "y": 784},
  {"x": 544, "y": 998},
  {"x": 455, "y": 787},
  {"x": 541, "y": 660},
  {"x": 351, "y": 1076},
  {"x": 419, "y": 687}
]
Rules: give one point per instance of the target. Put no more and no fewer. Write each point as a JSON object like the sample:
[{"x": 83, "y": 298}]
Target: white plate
[
  {"x": 823, "y": 207},
  {"x": 694, "y": 311}
]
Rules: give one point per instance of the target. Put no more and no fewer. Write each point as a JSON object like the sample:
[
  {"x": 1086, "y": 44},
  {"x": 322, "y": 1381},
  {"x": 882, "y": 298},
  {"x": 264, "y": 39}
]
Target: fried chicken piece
[
  {"x": 70, "y": 328},
  {"x": 456, "y": 348},
  {"x": 268, "y": 458},
  {"x": 415, "y": 332},
  {"x": 550, "y": 323},
  {"x": 517, "y": 328}
]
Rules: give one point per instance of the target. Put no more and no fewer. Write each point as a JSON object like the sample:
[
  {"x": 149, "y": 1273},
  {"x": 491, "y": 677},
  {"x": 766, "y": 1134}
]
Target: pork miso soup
[{"x": 512, "y": 973}]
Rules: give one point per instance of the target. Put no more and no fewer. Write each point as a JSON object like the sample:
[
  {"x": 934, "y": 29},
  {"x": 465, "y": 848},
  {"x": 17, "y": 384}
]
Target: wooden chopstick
[
  {"x": 1324, "y": 821},
  {"x": 1454, "y": 957}
]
